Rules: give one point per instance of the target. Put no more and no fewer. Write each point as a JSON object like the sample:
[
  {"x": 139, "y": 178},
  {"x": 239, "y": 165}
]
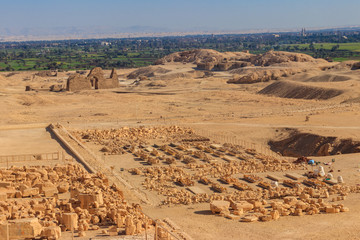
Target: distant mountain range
[{"x": 63, "y": 33}]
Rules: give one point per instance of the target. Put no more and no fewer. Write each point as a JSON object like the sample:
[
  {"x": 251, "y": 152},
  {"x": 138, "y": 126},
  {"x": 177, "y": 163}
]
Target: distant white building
[{"x": 303, "y": 32}]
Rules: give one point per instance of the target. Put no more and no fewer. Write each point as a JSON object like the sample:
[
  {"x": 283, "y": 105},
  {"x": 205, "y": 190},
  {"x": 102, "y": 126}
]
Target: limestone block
[
  {"x": 51, "y": 233},
  {"x": 130, "y": 229},
  {"x": 344, "y": 209},
  {"x": 11, "y": 193},
  {"x": 290, "y": 200},
  {"x": 49, "y": 191},
  {"x": 249, "y": 218},
  {"x": 275, "y": 214},
  {"x": 239, "y": 211},
  {"x": 22, "y": 228},
  {"x": 301, "y": 205},
  {"x": 28, "y": 192},
  {"x": 246, "y": 206},
  {"x": 5, "y": 184},
  {"x": 39, "y": 207},
  {"x": 3, "y": 196},
  {"x": 330, "y": 210},
  {"x": 219, "y": 206},
  {"x": 265, "y": 218},
  {"x": 63, "y": 187},
  {"x": 87, "y": 199},
  {"x": 113, "y": 231},
  {"x": 70, "y": 220},
  {"x": 233, "y": 217},
  {"x": 256, "y": 204},
  {"x": 298, "y": 212}
]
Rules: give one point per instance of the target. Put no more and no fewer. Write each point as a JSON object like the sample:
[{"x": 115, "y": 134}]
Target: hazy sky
[{"x": 182, "y": 15}]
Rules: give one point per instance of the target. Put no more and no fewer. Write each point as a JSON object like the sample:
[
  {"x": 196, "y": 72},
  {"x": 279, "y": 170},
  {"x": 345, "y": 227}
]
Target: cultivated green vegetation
[{"x": 125, "y": 53}]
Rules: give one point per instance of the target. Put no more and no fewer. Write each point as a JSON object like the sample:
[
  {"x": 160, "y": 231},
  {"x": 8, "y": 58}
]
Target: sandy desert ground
[{"x": 317, "y": 98}]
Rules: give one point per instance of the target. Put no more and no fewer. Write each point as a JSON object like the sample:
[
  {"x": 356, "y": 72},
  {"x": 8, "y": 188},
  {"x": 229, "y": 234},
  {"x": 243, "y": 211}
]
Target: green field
[{"x": 353, "y": 47}]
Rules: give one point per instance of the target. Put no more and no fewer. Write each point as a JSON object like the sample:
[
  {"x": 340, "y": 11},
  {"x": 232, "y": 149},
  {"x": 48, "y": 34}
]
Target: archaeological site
[{"x": 202, "y": 145}]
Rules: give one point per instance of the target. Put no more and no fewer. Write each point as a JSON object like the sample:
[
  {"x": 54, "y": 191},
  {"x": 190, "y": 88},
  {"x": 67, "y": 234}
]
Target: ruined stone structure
[
  {"x": 76, "y": 82},
  {"x": 94, "y": 80}
]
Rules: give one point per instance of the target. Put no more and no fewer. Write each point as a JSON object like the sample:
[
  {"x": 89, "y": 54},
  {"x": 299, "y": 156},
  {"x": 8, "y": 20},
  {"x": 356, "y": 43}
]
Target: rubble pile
[
  {"x": 262, "y": 210},
  {"x": 116, "y": 141},
  {"x": 46, "y": 201}
]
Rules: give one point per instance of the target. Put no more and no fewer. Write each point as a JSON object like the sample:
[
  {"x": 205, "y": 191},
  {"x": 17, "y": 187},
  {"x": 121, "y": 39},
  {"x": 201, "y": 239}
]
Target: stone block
[
  {"x": 50, "y": 191},
  {"x": 87, "y": 199},
  {"x": 249, "y": 218},
  {"x": 51, "y": 233},
  {"x": 265, "y": 218},
  {"x": 344, "y": 209},
  {"x": 239, "y": 211},
  {"x": 290, "y": 200},
  {"x": 3, "y": 196},
  {"x": 22, "y": 228},
  {"x": 28, "y": 192},
  {"x": 70, "y": 220},
  {"x": 330, "y": 210},
  {"x": 246, "y": 206},
  {"x": 39, "y": 207},
  {"x": 113, "y": 231},
  {"x": 130, "y": 229},
  {"x": 219, "y": 206},
  {"x": 63, "y": 187},
  {"x": 233, "y": 217},
  {"x": 275, "y": 214},
  {"x": 5, "y": 184}
]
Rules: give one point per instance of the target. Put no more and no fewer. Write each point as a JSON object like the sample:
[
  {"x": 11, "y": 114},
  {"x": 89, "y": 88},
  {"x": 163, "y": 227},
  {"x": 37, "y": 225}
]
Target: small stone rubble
[{"x": 45, "y": 201}]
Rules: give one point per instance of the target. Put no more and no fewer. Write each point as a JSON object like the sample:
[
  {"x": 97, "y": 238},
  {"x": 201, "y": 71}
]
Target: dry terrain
[{"x": 260, "y": 106}]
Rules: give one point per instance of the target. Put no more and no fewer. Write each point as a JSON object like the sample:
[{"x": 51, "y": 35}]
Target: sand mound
[
  {"x": 4, "y": 81},
  {"x": 29, "y": 100},
  {"x": 306, "y": 144},
  {"x": 149, "y": 71},
  {"x": 352, "y": 100},
  {"x": 327, "y": 78},
  {"x": 288, "y": 89},
  {"x": 178, "y": 75},
  {"x": 157, "y": 83},
  {"x": 203, "y": 55},
  {"x": 274, "y": 57},
  {"x": 353, "y": 65},
  {"x": 253, "y": 75}
]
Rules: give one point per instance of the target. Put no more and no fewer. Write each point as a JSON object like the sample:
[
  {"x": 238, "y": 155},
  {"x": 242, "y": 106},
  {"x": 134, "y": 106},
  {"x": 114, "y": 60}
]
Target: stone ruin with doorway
[{"x": 94, "y": 80}]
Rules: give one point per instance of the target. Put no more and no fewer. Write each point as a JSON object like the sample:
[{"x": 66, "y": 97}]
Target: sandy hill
[
  {"x": 203, "y": 55},
  {"x": 249, "y": 68},
  {"x": 149, "y": 71},
  {"x": 273, "y": 57},
  {"x": 291, "y": 89},
  {"x": 352, "y": 65}
]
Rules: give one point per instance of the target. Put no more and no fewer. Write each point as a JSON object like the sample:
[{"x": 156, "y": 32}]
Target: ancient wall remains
[{"x": 94, "y": 80}]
